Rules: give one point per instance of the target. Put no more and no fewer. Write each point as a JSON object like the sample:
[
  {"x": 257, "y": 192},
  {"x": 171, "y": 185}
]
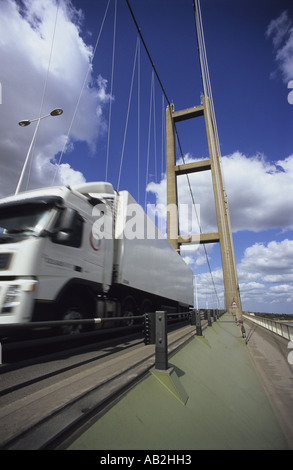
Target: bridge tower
[{"x": 224, "y": 234}]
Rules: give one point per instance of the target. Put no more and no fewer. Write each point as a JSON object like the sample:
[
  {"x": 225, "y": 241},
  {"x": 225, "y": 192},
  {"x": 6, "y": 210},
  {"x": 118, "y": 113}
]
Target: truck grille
[{"x": 5, "y": 260}]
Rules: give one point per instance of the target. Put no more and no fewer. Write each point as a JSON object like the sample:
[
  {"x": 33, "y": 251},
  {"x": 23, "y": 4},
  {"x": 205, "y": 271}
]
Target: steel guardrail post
[
  {"x": 209, "y": 317},
  {"x": 161, "y": 361},
  {"x": 198, "y": 323},
  {"x": 192, "y": 318}
]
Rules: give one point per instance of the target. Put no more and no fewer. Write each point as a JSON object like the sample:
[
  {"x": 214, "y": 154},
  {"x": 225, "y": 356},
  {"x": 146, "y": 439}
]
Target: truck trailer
[{"x": 82, "y": 252}]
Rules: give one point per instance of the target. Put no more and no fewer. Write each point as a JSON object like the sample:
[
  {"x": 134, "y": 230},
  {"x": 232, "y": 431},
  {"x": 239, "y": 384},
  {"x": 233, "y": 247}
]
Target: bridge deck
[{"x": 227, "y": 405}]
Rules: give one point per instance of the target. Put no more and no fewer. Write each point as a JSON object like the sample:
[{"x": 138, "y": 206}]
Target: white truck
[{"x": 82, "y": 252}]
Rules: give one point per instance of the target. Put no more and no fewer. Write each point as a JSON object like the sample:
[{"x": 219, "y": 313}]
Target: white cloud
[
  {"x": 272, "y": 265},
  {"x": 259, "y": 192},
  {"x": 280, "y": 31},
  {"x": 26, "y": 33},
  {"x": 259, "y": 290},
  {"x": 275, "y": 258},
  {"x": 279, "y": 28},
  {"x": 282, "y": 289},
  {"x": 275, "y": 278}
]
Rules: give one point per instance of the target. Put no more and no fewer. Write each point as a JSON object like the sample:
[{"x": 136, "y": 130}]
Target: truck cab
[{"x": 49, "y": 257}]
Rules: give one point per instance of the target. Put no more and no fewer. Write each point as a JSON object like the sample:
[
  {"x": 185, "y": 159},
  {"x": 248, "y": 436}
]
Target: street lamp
[{"x": 55, "y": 112}]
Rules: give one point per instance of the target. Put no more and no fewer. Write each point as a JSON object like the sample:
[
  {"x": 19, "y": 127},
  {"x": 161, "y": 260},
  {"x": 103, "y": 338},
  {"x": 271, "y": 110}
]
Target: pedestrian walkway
[{"x": 221, "y": 403}]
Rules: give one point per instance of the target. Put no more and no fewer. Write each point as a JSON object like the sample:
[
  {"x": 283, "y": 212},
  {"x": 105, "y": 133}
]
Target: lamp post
[{"x": 55, "y": 112}]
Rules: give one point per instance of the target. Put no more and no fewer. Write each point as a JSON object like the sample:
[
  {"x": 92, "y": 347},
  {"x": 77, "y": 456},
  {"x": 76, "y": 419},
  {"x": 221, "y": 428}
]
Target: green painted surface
[
  {"x": 170, "y": 380},
  {"x": 227, "y": 407}
]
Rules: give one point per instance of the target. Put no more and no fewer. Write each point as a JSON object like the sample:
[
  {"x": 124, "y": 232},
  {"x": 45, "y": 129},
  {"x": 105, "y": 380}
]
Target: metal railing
[
  {"x": 154, "y": 326},
  {"x": 277, "y": 327},
  {"x": 58, "y": 323}
]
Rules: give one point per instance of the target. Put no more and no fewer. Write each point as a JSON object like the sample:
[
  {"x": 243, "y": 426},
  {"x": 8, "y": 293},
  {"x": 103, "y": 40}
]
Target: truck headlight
[{"x": 12, "y": 298}]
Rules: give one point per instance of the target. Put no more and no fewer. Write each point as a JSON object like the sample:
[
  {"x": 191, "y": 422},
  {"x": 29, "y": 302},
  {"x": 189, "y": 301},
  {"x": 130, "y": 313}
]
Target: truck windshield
[{"x": 24, "y": 220}]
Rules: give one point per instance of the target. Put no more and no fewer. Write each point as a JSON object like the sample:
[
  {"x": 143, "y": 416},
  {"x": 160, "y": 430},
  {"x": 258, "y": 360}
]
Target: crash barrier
[
  {"x": 190, "y": 314},
  {"x": 153, "y": 326},
  {"x": 59, "y": 323},
  {"x": 92, "y": 326},
  {"x": 10, "y": 327},
  {"x": 277, "y": 327}
]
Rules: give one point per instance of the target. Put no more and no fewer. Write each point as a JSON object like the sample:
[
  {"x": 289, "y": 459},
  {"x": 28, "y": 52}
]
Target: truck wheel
[
  {"x": 129, "y": 310},
  {"x": 72, "y": 309}
]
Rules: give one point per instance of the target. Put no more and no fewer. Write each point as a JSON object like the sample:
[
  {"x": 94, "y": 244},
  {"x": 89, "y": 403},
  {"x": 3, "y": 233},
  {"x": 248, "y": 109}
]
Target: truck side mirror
[
  {"x": 66, "y": 226},
  {"x": 67, "y": 220}
]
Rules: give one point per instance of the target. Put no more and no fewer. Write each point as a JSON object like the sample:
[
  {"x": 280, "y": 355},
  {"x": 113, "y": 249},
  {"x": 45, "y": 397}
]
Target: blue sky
[{"x": 44, "y": 55}]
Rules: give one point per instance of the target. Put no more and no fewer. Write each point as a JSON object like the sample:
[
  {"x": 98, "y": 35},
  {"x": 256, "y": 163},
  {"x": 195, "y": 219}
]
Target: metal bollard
[
  {"x": 198, "y": 323},
  {"x": 192, "y": 318},
  {"x": 161, "y": 341},
  {"x": 209, "y": 318}
]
